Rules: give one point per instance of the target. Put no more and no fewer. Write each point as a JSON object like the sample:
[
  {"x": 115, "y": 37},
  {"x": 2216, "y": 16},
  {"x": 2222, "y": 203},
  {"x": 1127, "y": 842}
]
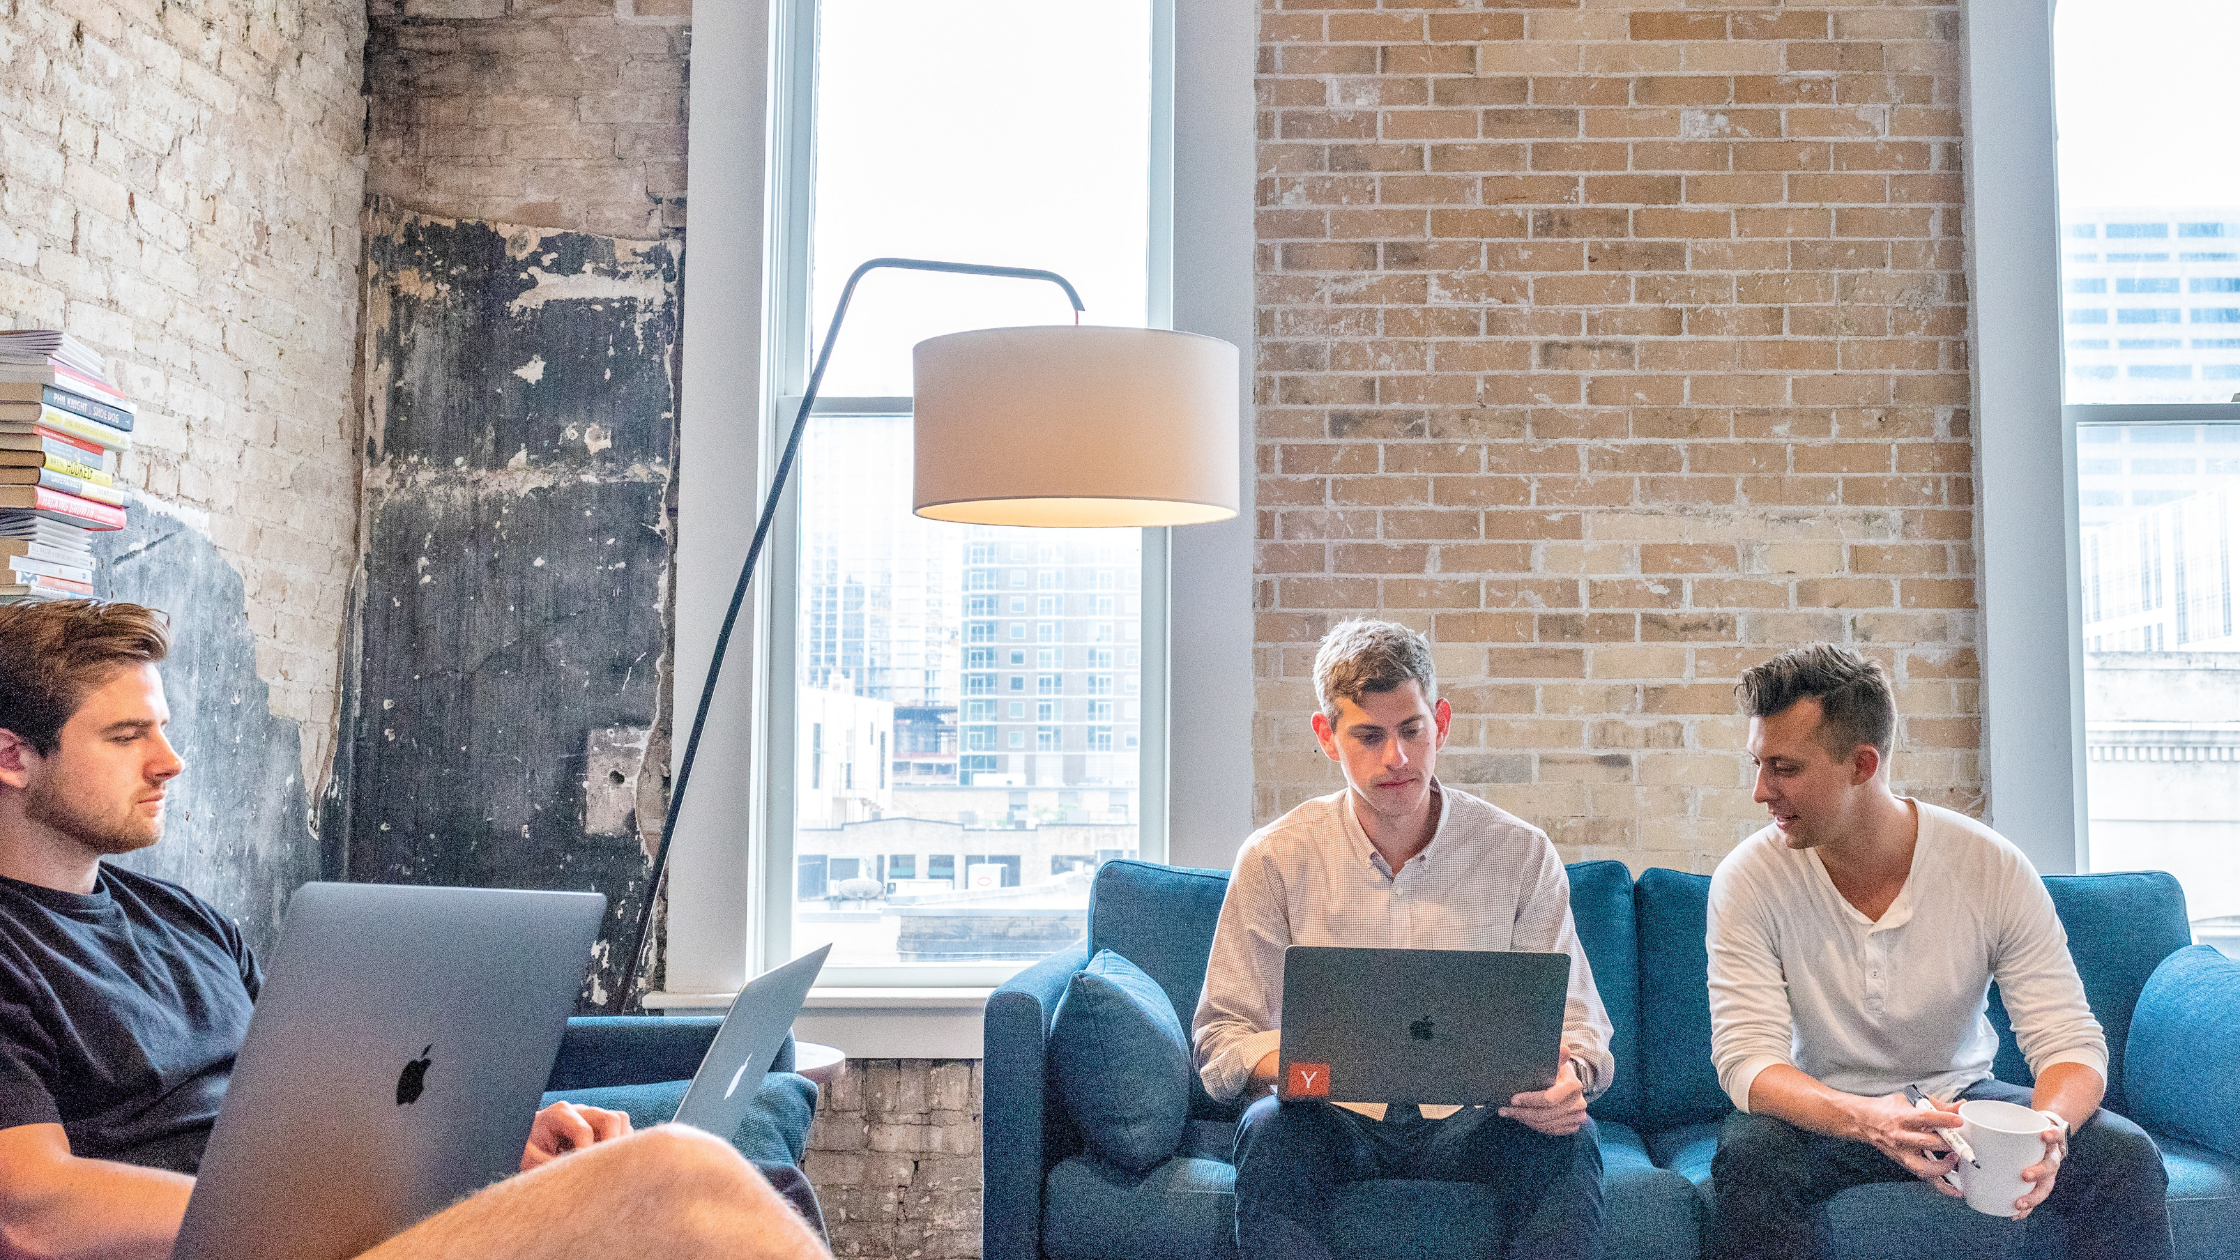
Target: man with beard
[
  {"x": 1853, "y": 942},
  {"x": 123, "y": 999}
]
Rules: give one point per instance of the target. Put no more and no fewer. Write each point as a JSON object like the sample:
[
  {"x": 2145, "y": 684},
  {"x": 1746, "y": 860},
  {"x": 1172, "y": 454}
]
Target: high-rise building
[
  {"x": 1052, "y": 665},
  {"x": 879, "y": 587},
  {"x": 2151, "y": 305}
]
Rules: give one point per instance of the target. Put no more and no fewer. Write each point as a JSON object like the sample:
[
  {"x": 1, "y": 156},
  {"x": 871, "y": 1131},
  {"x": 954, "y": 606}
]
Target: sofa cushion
[
  {"x": 2204, "y": 1200},
  {"x": 1161, "y": 918},
  {"x": 775, "y": 1130},
  {"x": 1649, "y": 1213},
  {"x": 2120, "y": 927},
  {"x": 1184, "y": 1209},
  {"x": 1678, "y": 1084},
  {"x": 2181, "y": 1050},
  {"x": 1602, "y": 909},
  {"x": 1121, "y": 1062}
]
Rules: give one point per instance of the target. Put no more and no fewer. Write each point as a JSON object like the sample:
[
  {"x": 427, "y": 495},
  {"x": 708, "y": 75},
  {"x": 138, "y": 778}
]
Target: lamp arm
[{"x": 619, "y": 1000}]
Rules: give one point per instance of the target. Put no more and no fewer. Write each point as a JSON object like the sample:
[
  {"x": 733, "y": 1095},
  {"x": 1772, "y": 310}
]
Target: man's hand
[
  {"x": 1264, "y": 1079},
  {"x": 2040, "y": 1174},
  {"x": 1558, "y": 1110},
  {"x": 1895, "y": 1127},
  {"x": 564, "y": 1127}
]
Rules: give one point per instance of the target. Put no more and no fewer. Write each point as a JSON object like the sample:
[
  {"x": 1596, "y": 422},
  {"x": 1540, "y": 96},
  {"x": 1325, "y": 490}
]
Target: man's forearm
[
  {"x": 55, "y": 1205},
  {"x": 2069, "y": 1090},
  {"x": 1786, "y": 1093}
]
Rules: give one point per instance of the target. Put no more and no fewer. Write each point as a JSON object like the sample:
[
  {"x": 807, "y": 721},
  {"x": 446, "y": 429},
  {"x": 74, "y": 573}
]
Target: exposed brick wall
[
  {"x": 895, "y": 1159},
  {"x": 1616, "y": 347},
  {"x": 179, "y": 187},
  {"x": 545, "y": 113}
]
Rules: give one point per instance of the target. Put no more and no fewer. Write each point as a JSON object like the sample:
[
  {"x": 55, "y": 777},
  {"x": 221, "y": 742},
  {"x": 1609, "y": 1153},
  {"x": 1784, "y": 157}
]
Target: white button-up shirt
[
  {"x": 1487, "y": 881},
  {"x": 1868, "y": 1006}
]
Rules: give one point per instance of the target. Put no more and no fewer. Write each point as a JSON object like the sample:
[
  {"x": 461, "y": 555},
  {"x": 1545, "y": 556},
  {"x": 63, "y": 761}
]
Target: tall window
[
  {"x": 1010, "y": 132},
  {"x": 2150, "y": 249}
]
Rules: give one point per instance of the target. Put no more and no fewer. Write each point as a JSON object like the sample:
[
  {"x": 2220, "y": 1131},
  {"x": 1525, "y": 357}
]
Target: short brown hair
[
  {"x": 1854, "y": 694},
  {"x": 53, "y": 654},
  {"x": 1361, "y": 656}
]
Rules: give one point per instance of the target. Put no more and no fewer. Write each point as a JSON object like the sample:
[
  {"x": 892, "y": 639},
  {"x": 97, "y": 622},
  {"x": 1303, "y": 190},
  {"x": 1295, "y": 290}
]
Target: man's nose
[
  {"x": 1759, "y": 792},
  {"x": 166, "y": 763}
]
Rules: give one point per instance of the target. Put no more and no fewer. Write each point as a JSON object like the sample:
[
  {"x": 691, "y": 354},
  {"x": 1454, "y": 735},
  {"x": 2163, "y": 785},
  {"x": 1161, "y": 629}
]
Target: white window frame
[
  {"x": 2026, "y": 439},
  {"x": 736, "y": 274}
]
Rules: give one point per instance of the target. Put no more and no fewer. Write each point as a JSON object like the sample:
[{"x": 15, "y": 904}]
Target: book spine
[
  {"x": 92, "y": 409},
  {"x": 64, "y": 460},
  {"x": 76, "y": 511},
  {"x": 53, "y": 480},
  {"x": 91, "y": 430},
  {"x": 49, "y": 582},
  {"x": 77, "y": 382},
  {"x": 26, "y": 565},
  {"x": 53, "y": 441}
]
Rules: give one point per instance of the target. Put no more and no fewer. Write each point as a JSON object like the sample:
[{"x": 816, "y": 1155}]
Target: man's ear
[
  {"x": 1442, "y": 716},
  {"x": 17, "y": 759},
  {"x": 1326, "y": 735},
  {"x": 1866, "y": 759}
]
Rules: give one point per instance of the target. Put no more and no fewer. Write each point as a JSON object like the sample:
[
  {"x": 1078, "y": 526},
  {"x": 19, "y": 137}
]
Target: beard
[{"x": 109, "y": 832}]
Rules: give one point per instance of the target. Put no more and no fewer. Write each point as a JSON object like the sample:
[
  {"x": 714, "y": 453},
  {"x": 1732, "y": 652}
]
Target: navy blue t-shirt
[{"x": 120, "y": 1013}]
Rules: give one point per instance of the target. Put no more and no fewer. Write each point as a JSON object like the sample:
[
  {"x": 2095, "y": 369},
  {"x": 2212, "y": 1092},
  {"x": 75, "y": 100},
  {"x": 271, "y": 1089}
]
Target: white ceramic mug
[{"x": 2006, "y": 1139}]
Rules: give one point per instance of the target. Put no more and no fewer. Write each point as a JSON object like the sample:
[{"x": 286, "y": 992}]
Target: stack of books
[{"x": 63, "y": 427}]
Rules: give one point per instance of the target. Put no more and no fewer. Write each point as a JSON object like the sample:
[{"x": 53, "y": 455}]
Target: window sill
[{"x": 869, "y": 1023}]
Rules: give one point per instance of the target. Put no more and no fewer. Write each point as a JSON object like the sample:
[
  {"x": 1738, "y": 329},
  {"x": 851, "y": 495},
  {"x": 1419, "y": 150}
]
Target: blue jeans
[
  {"x": 1769, "y": 1174},
  {"x": 1293, "y": 1158}
]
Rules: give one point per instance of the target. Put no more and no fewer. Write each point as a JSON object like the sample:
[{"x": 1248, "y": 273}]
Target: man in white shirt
[
  {"x": 1396, "y": 861},
  {"x": 1852, "y": 946}
]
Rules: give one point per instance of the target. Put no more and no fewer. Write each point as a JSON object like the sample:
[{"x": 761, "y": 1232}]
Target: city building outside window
[
  {"x": 899, "y": 621},
  {"x": 2150, "y": 244}
]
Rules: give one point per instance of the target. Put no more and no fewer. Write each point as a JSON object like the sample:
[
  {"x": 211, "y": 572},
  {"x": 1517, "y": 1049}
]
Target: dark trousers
[
  {"x": 1768, "y": 1174},
  {"x": 1293, "y": 1158}
]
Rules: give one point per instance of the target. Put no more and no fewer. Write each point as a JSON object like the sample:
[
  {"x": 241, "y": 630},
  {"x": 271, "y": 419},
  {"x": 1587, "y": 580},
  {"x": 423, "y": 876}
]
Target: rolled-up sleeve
[
  {"x": 1240, "y": 1010},
  {"x": 1752, "y": 1028},
  {"x": 2038, "y": 980},
  {"x": 1544, "y": 924}
]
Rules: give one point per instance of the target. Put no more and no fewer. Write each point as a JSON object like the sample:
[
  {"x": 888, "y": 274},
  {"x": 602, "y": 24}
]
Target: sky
[
  {"x": 1012, "y": 132},
  {"x": 2147, "y": 105}
]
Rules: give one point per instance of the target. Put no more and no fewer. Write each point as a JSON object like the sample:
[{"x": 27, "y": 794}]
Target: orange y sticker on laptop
[{"x": 1308, "y": 1080}]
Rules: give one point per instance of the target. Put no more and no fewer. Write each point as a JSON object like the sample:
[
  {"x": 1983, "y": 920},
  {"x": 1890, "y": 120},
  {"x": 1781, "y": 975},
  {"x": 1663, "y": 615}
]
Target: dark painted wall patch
[{"x": 520, "y": 419}]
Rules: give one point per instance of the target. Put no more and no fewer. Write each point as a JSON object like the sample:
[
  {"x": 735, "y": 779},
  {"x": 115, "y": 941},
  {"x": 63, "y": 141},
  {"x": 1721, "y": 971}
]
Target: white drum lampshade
[{"x": 1076, "y": 427}]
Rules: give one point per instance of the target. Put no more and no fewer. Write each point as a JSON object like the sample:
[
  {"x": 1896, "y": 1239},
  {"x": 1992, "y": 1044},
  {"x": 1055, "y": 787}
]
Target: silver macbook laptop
[
  {"x": 753, "y": 1029},
  {"x": 393, "y": 1064},
  {"x": 1420, "y": 1025}
]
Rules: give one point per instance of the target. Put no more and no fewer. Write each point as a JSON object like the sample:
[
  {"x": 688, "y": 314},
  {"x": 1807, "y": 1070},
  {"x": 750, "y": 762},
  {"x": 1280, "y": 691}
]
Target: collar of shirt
[
  {"x": 1367, "y": 852},
  {"x": 1900, "y": 912}
]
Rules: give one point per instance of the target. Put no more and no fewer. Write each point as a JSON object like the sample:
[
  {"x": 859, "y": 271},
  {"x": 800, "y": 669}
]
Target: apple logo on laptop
[
  {"x": 414, "y": 1078},
  {"x": 1421, "y": 1029}
]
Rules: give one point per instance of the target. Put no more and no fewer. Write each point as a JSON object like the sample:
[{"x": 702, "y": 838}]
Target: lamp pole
[{"x": 619, "y": 1000}]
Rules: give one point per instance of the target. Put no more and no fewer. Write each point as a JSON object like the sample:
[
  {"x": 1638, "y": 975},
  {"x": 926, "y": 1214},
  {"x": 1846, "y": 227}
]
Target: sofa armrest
[
  {"x": 1016, "y": 1109},
  {"x": 607, "y": 1050},
  {"x": 2181, "y": 1066}
]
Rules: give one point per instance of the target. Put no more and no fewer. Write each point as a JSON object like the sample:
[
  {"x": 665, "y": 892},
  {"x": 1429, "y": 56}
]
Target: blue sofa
[
  {"x": 642, "y": 1065},
  {"x": 2172, "y": 1014}
]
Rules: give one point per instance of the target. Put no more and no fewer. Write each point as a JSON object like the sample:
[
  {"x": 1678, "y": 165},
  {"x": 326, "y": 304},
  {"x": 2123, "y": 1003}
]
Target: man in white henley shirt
[
  {"x": 1852, "y": 944},
  {"x": 1397, "y": 861}
]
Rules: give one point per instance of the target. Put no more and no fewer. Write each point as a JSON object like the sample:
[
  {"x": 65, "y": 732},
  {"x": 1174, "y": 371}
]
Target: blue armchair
[{"x": 2172, "y": 1015}]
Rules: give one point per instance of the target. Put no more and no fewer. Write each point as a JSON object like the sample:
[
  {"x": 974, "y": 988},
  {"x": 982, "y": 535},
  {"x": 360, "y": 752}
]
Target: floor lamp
[{"x": 1055, "y": 426}]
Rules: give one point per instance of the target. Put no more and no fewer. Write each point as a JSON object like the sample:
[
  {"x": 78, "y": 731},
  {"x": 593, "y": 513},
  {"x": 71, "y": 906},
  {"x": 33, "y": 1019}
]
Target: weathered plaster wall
[
  {"x": 179, "y": 187},
  {"x": 520, "y": 418}
]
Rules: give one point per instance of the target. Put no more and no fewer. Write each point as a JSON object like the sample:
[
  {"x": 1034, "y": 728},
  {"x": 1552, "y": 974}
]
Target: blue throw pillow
[
  {"x": 1122, "y": 1063},
  {"x": 2183, "y": 1063}
]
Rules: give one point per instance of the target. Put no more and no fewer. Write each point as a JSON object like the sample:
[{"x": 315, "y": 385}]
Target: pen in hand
[{"x": 1959, "y": 1144}]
